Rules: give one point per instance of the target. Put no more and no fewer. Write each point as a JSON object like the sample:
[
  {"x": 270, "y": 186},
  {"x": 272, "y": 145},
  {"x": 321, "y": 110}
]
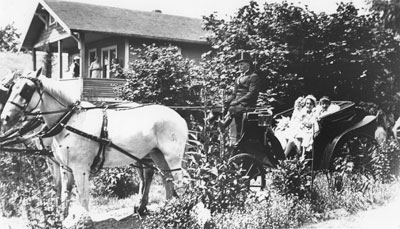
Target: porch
[{"x": 94, "y": 90}]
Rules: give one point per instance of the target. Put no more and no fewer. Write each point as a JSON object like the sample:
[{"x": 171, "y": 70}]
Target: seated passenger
[
  {"x": 325, "y": 107},
  {"x": 285, "y": 125},
  {"x": 297, "y": 108},
  {"x": 303, "y": 131}
]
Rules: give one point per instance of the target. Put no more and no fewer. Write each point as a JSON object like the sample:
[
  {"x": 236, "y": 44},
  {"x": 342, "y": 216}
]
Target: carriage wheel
[
  {"x": 252, "y": 169},
  {"x": 354, "y": 153}
]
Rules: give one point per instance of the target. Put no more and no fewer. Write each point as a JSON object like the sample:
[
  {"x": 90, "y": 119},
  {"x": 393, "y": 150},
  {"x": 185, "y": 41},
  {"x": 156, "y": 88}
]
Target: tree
[
  {"x": 344, "y": 55},
  {"x": 389, "y": 11},
  {"x": 9, "y": 38}
]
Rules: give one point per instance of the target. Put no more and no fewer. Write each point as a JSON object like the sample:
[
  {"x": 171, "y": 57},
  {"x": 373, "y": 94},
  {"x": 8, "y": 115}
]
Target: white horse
[
  {"x": 62, "y": 177},
  {"x": 138, "y": 131}
]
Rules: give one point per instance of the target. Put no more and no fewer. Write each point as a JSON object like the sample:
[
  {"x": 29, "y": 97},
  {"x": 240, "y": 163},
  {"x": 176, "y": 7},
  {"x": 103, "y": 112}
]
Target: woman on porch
[{"x": 95, "y": 68}]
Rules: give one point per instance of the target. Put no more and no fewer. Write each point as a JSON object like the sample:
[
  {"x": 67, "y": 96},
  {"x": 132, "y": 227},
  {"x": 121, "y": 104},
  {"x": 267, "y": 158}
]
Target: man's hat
[
  {"x": 76, "y": 57},
  {"x": 244, "y": 57}
]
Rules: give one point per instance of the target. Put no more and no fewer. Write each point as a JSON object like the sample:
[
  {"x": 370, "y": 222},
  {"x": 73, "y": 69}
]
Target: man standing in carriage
[{"x": 245, "y": 93}]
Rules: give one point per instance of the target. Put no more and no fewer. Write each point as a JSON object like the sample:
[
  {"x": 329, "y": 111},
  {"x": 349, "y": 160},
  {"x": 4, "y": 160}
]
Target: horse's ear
[
  {"x": 39, "y": 72},
  {"x": 8, "y": 78}
]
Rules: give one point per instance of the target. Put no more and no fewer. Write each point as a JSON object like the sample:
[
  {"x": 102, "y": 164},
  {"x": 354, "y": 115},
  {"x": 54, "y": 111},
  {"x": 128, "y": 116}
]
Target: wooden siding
[
  {"x": 100, "y": 89},
  {"x": 51, "y": 34}
]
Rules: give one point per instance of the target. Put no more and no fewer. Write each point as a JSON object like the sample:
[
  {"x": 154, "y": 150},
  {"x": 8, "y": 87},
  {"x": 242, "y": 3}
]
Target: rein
[
  {"x": 68, "y": 113},
  {"x": 107, "y": 142},
  {"x": 102, "y": 140}
]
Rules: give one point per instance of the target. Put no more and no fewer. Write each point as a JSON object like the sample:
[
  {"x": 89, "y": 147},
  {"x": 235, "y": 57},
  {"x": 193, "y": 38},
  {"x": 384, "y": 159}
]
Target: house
[{"x": 77, "y": 29}]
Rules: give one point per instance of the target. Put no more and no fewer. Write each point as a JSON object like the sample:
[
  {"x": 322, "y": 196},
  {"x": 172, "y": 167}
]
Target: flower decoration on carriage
[{"x": 282, "y": 123}]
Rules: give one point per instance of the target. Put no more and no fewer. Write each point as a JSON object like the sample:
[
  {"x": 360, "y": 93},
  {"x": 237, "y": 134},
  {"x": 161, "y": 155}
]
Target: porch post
[
  {"x": 81, "y": 46},
  {"x": 82, "y": 54},
  {"x": 126, "y": 62},
  {"x": 34, "y": 59},
  {"x": 60, "y": 59}
]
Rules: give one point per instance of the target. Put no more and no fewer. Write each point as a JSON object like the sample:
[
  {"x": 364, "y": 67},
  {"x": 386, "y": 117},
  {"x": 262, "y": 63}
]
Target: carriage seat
[
  {"x": 255, "y": 123},
  {"x": 256, "y": 130}
]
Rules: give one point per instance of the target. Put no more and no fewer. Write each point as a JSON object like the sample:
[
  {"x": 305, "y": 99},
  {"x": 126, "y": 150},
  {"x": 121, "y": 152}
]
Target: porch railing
[{"x": 94, "y": 89}]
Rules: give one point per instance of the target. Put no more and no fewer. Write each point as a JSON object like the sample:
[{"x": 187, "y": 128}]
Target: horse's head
[
  {"x": 6, "y": 83},
  {"x": 5, "y": 89},
  {"x": 24, "y": 97}
]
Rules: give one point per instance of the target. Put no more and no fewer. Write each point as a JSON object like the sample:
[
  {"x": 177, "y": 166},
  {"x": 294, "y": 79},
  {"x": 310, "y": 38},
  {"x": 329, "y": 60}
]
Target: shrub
[
  {"x": 160, "y": 75},
  {"x": 219, "y": 185},
  {"x": 387, "y": 163},
  {"x": 293, "y": 177},
  {"x": 26, "y": 187},
  {"x": 118, "y": 182}
]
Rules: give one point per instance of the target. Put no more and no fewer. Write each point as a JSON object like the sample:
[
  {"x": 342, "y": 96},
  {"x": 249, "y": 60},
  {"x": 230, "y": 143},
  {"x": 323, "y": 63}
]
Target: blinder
[
  {"x": 27, "y": 92},
  {"x": 4, "y": 94}
]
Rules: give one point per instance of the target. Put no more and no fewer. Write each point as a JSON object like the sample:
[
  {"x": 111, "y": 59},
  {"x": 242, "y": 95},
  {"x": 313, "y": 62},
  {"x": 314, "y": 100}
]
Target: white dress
[{"x": 95, "y": 69}]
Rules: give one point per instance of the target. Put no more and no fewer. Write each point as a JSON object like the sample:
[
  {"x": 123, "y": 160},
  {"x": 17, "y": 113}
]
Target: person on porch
[
  {"x": 74, "y": 68},
  {"x": 95, "y": 68}
]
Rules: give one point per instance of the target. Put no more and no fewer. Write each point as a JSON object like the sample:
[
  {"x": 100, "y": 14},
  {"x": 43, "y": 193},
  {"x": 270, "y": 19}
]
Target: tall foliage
[
  {"x": 160, "y": 75},
  {"x": 389, "y": 11},
  {"x": 344, "y": 55},
  {"x": 26, "y": 186},
  {"x": 9, "y": 39}
]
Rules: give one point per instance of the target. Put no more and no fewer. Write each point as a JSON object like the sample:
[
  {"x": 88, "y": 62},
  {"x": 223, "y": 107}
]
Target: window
[{"x": 107, "y": 55}]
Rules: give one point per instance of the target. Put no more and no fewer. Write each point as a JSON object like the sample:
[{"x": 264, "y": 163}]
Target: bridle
[{"x": 27, "y": 92}]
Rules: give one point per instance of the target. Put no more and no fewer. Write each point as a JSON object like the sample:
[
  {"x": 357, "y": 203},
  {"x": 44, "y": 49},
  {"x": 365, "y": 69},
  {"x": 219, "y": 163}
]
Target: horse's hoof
[{"x": 141, "y": 212}]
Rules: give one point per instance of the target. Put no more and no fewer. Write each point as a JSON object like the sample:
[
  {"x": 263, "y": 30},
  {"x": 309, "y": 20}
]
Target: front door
[{"x": 107, "y": 55}]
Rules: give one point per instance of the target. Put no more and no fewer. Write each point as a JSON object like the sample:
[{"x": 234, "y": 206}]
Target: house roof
[{"x": 105, "y": 19}]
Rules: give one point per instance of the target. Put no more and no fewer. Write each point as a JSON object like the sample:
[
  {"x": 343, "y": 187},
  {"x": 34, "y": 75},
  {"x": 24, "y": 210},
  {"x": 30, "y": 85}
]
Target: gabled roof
[{"x": 104, "y": 19}]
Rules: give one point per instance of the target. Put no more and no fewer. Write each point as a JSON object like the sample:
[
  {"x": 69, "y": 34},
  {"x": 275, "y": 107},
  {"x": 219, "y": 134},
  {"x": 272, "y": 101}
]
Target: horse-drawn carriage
[{"x": 345, "y": 134}]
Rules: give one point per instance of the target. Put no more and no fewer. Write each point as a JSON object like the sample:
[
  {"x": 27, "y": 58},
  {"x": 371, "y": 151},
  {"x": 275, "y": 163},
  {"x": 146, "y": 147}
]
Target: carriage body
[{"x": 259, "y": 143}]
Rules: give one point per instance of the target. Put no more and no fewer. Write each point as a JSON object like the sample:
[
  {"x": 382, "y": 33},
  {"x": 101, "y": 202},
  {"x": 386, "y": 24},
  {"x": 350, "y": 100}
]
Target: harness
[
  {"x": 105, "y": 142},
  {"x": 70, "y": 110}
]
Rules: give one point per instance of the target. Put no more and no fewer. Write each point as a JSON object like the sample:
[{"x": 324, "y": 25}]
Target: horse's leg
[
  {"x": 167, "y": 177},
  {"x": 171, "y": 161},
  {"x": 146, "y": 177},
  {"x": 81, "y": 177},
  {"x": 57, "y": 181},
  {"x": 67, "y": 181}
]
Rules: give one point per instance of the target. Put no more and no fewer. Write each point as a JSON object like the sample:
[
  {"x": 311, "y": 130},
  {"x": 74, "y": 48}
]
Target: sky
[{"x": 20, "y": 12}]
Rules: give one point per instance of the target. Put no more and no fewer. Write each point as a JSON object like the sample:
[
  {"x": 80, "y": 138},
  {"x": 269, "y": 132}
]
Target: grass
[
  {"x": 106, "y": 204},
  {"x": 269, "y": 209}
]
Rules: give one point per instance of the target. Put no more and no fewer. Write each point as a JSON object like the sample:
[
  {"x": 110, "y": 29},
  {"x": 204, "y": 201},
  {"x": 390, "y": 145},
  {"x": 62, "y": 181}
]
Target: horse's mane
[{"x": 67, "y": 96}]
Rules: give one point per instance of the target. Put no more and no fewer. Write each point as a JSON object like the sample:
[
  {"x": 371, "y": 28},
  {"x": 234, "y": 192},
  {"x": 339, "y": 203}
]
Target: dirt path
[{"x": 387, "y": 217}]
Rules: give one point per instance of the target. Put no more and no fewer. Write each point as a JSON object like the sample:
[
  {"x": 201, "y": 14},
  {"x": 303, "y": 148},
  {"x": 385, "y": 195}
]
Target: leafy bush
[
  {"x": 118, "y": 182},
  {"x": 293, "y": 177},
  {"x": 387, "y": 164},
  {"x": 217, "y": 184},
  {"x": 160, "y": 75},
  {"x": 26, "y": 187},
  {"x": 295, "y": 49}
]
